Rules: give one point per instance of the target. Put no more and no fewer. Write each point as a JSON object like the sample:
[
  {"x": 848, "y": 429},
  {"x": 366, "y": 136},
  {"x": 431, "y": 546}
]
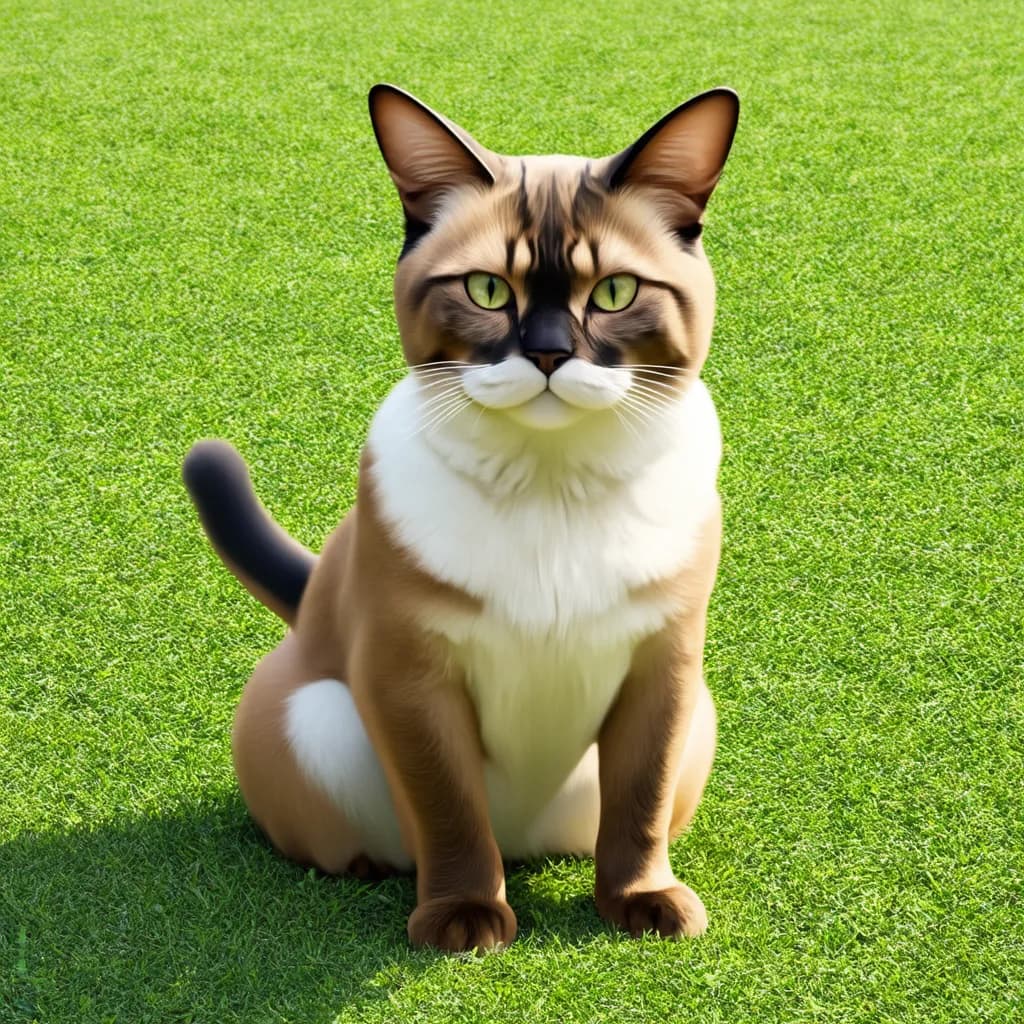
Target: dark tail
[{"x": 270, "y": 564}]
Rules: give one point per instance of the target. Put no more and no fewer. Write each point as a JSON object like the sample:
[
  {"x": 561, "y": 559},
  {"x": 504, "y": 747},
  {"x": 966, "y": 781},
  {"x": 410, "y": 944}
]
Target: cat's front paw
[
  {"x": 460, "y": 925},
  {"x": 670, "y": 913}
]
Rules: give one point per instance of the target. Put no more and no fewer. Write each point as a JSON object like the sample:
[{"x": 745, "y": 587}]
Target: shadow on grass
[{"x": 192, "y": 917}]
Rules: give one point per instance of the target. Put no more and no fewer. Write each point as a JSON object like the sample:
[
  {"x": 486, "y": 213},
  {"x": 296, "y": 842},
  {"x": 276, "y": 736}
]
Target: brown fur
[{"x": 538, "y": 220}]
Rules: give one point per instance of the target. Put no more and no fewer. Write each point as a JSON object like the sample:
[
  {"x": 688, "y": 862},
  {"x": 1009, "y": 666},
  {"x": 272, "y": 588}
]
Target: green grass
[{"x": 197, "y": 238}]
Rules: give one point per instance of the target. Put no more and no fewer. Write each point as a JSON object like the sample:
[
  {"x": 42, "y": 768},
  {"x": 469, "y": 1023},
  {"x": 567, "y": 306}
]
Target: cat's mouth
[
  {"x": 546, "y": 412},
  {"x": 535, "y": 399}
]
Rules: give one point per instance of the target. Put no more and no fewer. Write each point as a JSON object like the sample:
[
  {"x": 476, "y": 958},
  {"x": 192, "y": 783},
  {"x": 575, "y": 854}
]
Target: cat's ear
[
  {"x": 426, "y": 154},
  {"x": 684, "y": 153}
]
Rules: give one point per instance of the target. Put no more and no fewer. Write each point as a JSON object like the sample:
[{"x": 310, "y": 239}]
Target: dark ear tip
[
  {"x": 379, "y": 90},
  {"x": 725, "y": 91},
  {"x": 383, "y": 89}
]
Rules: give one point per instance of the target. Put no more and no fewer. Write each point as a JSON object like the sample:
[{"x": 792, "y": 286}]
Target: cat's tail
[{"x": 272, "y": 566}]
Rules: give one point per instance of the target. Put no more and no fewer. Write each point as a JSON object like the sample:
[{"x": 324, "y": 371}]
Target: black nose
[{"x": 547, "y": 338}]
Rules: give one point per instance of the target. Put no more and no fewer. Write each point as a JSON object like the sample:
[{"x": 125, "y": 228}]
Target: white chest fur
[{"x": 552, "y": 547}]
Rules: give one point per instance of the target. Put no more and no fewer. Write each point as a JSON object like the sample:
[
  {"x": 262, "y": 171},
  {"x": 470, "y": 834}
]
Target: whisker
[
  {"x": 391, "y": 373},
  {"x": 644, "y": 371},
  {"x": 640, "y": 420},
  {"x": 653, "y": 377},
  {"x": 655, "y": 395},
  {"x": 433, "y": 387},
  {"x": 433, "y": 371},
  {"x": 645, "y": 414},
  {"x": 436, "y": 401},
  {"x": 454, "y": 407},
  {"x": 663, "y": 367},
  {"x": 432, "y": 367},
  {"x": 621, "y": 416},
  {"x": 453, "y": 413},
  {"x": 400, "y": 364},
  {"x": 656, "y": 382},
  {"x": 639, "y": 404},
  {"x": 427, "y": 375},
  {"x": 427, "y": 411},
  {"x": 659, "y": 393},
  {"x": 655, "y": 404},
  {"x": 441, "y": 407},
  {"x": 446, "y": 371},
  {"x": 476, "y": 422},
  {"x": 440, "y": 382}
]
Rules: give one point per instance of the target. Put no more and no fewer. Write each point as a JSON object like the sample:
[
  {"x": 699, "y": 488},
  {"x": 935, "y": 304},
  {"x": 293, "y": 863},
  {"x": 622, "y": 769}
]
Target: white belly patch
[{"x": 540, "y": 701}]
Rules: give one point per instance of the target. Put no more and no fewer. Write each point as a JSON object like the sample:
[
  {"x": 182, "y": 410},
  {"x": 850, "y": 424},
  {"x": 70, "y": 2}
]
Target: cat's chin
[{"x": 545, "y": 412}]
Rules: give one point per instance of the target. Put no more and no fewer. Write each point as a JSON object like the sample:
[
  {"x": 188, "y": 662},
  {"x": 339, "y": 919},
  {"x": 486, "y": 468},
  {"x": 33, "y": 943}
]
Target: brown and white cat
[{"x": 498, "y": 652}]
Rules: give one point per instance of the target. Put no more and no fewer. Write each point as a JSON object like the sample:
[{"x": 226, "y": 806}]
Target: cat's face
[{"x": 550, "y": 288}]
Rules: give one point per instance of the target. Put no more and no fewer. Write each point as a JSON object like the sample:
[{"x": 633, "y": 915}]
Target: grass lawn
[{"x": 197, "y": 238}]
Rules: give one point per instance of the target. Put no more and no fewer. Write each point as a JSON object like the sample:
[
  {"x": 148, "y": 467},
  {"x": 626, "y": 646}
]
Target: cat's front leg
[
  {"x": 425, "y": 731},
  {"x": 639, "y": 751}
]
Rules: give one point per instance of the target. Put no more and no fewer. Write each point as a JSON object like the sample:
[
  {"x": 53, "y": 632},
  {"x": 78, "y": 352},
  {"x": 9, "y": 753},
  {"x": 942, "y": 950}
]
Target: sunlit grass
[{"x": 197, "y": 238}]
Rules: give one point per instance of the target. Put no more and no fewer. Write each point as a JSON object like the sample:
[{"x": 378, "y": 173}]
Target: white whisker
[
  {"x": 434, "y": 387},
  {"x": 655, "y": 403},
  {"x": 661, "y": 397},
  {"x": 422, "y": 371},
  {"x": 653, "y": 376},
  {"x": 444, "y": 413},
  {"x": 664, "y": 379},
  {"x": 622, "y": 417},
  {"x": 639, "y": 420},
  {"x": 428, "y": 375},
  {"x": 446, "y": 371},
  {"x": 668, "y": 391},
  {"x": 442, "y": 398},
  {"x": 476, "y": 422},
  {"x": 644, "y": 411},
  {"x": 371, "y": 378},
  {"x": 653, "y": 367}
]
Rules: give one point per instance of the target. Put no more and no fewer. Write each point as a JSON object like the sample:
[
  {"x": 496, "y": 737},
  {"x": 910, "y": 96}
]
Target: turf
[{"x": 197, "y": 238}]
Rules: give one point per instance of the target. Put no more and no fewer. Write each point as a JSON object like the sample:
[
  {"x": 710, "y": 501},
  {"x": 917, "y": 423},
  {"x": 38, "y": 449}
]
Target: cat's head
[{"x": 552, "y": 287}]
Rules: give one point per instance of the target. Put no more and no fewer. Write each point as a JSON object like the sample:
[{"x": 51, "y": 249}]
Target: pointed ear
[
  {"x": 425, "y": 153},
  {"x": 683, "y": 154}
]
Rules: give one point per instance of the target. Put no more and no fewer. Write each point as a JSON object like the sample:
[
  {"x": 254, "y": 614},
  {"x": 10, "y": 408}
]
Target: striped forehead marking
[{"x": 554, "y": 244}]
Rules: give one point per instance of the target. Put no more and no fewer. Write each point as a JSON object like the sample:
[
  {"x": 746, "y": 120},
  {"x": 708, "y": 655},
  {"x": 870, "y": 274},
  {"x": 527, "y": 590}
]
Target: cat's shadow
[{"x": 191, "y": 911}]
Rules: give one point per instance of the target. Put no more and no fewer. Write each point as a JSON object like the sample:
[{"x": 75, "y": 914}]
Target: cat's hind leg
[
  {"x": 568, "y": 824},
  {"x": 308, "y": 773},
  {"x": 695, "y": 761}
]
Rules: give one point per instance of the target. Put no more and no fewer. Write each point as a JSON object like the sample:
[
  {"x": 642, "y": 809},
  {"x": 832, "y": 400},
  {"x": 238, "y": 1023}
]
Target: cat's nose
[
  {"x": 547, "y": 362},
  {"x": 547, "y": 339}
]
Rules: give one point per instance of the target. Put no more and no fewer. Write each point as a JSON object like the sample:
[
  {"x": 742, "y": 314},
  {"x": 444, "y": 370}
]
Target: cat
[{"x": 498, "y": 652}]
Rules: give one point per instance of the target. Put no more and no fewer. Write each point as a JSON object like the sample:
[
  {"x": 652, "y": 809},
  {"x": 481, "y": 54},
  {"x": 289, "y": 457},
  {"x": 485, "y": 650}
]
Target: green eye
[
  {"x": 488, "y": 291},
  {"x": 614, "y": 293}
]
